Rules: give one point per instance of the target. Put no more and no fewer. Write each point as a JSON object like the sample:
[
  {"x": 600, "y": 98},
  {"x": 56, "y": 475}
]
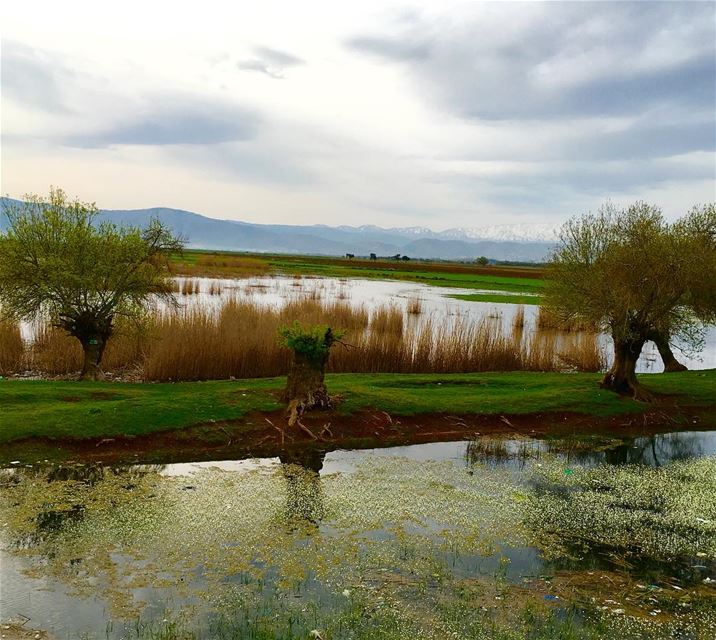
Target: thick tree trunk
[
  {"x": 305, "y": 387},
  {"x": 93, "y": 333},
  {"x": 93, "y": 348},
  {"x": 671, "y": 364},
  {"x": 622, "y": 375}
]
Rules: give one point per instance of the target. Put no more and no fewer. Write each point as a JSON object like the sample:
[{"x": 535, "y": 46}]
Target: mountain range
[{"x": 521, "y": 242}]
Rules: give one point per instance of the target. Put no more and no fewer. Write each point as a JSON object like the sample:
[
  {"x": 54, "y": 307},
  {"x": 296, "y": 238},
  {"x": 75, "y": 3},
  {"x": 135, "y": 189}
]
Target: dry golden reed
[
  {"x": 547, "y": 319},
  {"x": 55, "y": 352},
  {"x": 239, "y": 339},
  {"x": 222, "y": 266},
  {"x": 415, "y": 306},
  {"x": 12, "y": 349},
  {"x": 190, "y": 287}
]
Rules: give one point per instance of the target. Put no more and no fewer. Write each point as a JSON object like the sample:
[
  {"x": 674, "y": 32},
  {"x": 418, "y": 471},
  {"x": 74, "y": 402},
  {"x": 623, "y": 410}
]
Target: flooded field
[
  {"x": 498, "y": 537},
  {"x": 435, "y": 304},
  {"x": 422, "y": 307}
]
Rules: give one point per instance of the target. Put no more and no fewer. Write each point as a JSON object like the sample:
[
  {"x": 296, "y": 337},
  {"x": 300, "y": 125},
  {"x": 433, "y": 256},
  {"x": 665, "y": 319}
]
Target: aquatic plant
[{"x": 664, "y": 512}]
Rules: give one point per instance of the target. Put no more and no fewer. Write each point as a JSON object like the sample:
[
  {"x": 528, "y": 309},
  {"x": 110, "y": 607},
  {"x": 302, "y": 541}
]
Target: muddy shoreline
[{"x": 268, "y": 435}]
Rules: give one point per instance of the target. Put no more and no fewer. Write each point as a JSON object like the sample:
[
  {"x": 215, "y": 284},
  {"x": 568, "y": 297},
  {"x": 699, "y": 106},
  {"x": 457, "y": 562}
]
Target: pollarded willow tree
[
  {"x": 305, "y": 385},
  {"x": 637, "y": 277},
  {"x": 59, "y": 262}
]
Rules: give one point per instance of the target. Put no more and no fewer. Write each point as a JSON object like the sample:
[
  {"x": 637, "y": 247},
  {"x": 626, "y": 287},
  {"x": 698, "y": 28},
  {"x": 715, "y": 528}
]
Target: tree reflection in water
[
  {"x": 304, "y": 492},
  {"x": 56, "y": 513}
]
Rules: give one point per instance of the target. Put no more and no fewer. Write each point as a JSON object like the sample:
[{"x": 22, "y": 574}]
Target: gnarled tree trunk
[
  {"x": 621, "y": 377},
  {"x": 671, "y": 364},
  {"x": 306, "y": 387},
  {"x": 93, "y": 348},
  {"x": 93, "y": 333}
]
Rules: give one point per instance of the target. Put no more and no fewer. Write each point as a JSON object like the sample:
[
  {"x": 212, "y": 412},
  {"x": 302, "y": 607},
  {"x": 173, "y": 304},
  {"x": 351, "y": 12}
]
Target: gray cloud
[
  {"x": 643, "y": 141},
  {"x": 278, "y": 58},
  {"x": 400, "y": 50},
  {"x": 270, "y": 62},
  {"x": 175, "y": 121},
  {"x": 32, "y": 77},
  {"x": 559, "y": 183},
  {"x": 648, "y": 54}
]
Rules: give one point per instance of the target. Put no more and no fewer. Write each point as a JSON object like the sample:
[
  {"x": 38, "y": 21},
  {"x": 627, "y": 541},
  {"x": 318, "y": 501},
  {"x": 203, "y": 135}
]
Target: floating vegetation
[
  {"x": 388, "y": 548},
  {"x": 665, "y": 512}
]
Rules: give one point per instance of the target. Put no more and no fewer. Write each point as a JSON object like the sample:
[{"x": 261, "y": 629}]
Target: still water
[
  {"x": 436, "y": 540},
  {"x": 435, "y": 301},
  {"x": 436, "y": 306}
]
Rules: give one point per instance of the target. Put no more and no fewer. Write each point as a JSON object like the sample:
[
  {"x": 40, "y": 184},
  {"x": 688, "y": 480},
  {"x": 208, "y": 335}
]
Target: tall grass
[
  {"x": 239, "y": 339},
  {"x": 190, "y": 287},
  {"x": 12, "y": 348},
  {"x": 55, "y": 352},
  {"x": 547, "y": 319},
  {"x": 415, "y": 306},
  {"x": 222, "y": 266}
]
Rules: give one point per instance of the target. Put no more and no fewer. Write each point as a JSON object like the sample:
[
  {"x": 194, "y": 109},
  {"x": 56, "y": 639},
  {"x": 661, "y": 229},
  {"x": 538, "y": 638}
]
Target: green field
[
  {"x": 65, "y": 409},
  {"x": 513, "y": 279}
]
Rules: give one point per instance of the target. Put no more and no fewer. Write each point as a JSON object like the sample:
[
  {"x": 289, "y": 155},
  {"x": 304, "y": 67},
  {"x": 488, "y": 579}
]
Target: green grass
[
  {"x": 437, "y": 274},
  {"x": 427, "y": 276},
  {"x": 513, "y": 298},
  {"x": 55, "y": 409}
]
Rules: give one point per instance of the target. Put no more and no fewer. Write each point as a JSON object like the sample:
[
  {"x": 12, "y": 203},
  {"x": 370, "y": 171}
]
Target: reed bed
[
  {"x": 190, "y": 287},
  {"x": 12, "y": 348},
  {"x": 239, "y": 340},
  {"x": 222, "y": 266},
  {"x": 415, "y": 306},
  {"x": 55, "y": 352},
  {"x": 547, "y": 320}
]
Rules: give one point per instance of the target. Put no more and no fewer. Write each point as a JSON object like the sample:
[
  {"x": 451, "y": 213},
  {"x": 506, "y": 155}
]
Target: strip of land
[
  {"x": 515, "y": 284},
  {"x": 113, "y": 421}
]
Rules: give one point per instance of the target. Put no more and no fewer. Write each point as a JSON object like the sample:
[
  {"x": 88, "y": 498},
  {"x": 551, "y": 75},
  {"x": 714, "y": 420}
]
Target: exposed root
[
  {"x": 626, "y": 387},
  {"x": 306, "y": 429}
]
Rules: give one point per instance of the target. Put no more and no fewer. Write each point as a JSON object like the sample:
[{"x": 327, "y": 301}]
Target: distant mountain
[
  {"x": 528, "y": 243},
  {"x": 506, "y": 232}
]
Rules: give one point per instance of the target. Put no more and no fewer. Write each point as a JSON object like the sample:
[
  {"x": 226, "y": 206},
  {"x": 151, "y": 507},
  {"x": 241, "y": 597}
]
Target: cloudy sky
[{"x": 432, "y": 114}]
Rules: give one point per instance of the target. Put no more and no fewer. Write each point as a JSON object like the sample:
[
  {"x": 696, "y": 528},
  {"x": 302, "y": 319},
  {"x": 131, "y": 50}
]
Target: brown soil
[
  {"x": 12, "y": 630},
  {"x": 268, "y": 434}
]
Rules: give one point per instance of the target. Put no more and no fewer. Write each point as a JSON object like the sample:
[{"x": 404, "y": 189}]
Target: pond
[{"x": 497, "y": 537}]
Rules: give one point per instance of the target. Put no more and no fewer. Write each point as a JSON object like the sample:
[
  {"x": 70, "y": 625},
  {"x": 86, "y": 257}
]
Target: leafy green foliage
[
  {"x": 313, "y": 342},
  {"x": 57, "y": 260},
  {"x": 630, "y": 272},
  {"x": 54, "y": 258}
]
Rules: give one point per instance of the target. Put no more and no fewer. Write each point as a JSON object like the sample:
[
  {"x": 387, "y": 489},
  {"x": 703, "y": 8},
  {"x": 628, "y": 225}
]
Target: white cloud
[{"x": 489, "y": 113}]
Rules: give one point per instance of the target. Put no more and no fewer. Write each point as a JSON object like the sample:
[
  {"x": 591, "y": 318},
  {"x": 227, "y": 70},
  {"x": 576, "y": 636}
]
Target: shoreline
[
  {"x": 267, "y": 435},
  {"x": 107, "y": 421}
]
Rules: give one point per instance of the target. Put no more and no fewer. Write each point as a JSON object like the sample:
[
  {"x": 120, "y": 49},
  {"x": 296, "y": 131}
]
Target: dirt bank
[{"x": 268, "y": 434}]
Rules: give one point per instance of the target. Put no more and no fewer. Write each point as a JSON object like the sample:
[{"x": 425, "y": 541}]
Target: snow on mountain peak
[{"x": 523, "y": 232}]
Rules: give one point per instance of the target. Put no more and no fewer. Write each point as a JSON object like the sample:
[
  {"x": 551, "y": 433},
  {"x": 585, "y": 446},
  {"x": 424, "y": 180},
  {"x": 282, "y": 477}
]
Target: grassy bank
[
  {"x": 515, "y": 281},
  {"x": 60, "y": 409}
]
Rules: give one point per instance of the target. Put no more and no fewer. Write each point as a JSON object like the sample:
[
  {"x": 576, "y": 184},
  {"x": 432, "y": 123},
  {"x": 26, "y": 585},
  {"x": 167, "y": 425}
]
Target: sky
[{"x": 431, "y": 114}]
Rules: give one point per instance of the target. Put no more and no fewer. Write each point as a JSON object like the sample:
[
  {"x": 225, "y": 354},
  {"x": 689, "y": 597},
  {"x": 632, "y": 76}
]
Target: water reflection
[
  {"x": 652, "y": 450},
  {"x": 104, "y": 542},
  {"x": 304, "y": 493}
]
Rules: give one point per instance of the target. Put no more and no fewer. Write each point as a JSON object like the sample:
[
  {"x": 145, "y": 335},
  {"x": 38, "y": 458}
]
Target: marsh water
[
  {"x": 436, "y": 305},
  {"x": 453, "y": 539},
  {"x": 435, "y": 302}
]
